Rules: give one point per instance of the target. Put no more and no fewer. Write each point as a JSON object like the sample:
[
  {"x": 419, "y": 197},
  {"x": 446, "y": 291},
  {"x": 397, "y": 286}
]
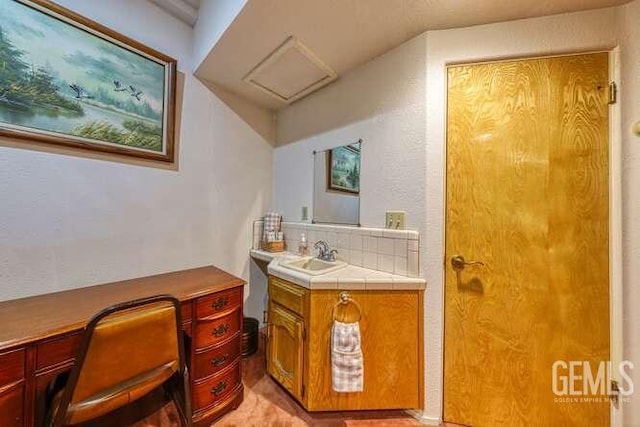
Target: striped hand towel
[
  {"x": 347, "y": 367},
  {"x": 272, "y": 221},
  {"x": 271, "y": 224}
]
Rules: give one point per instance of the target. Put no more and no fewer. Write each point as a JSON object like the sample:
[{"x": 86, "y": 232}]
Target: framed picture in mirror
[
  {"x": 343, "y": 171},
  {"x": 337, "y": 184}
]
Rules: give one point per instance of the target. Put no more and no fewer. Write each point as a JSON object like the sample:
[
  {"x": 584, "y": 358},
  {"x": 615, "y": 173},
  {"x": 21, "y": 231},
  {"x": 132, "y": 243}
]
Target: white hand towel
[{"x": 347, "y": 364}]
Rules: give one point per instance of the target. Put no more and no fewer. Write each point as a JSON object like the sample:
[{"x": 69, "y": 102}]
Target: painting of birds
[
  {"x": 118, "y": 86},
  {"x": 135, "y": 92},
  {"x": 65, "y": 80},
  {"x": 80, "y": 92}
]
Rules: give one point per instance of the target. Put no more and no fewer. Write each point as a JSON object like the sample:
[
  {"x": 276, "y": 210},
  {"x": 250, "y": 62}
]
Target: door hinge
[
  {"x": 615, "y": 392},
  {"x": 302, "y": 391},
  {"x": 613, "y": 93},
  {"x": 304, "y": 334}
]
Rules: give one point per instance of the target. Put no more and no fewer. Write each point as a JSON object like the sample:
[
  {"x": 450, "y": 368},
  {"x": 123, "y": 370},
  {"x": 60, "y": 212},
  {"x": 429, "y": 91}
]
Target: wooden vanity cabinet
[
  {"x": 299, "y": 346},
  {"x": 286, "y": 334},
  {"x": 285, "y": 349}
]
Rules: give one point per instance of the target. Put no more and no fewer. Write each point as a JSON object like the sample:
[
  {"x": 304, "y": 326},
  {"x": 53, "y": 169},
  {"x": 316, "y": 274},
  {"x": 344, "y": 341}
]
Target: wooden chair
[{"x": 128, "y": 350}]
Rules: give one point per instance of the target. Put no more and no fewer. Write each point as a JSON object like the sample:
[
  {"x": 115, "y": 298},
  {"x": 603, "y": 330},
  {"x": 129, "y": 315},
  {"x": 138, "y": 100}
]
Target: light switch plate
[{"x": 394, "y": 220}]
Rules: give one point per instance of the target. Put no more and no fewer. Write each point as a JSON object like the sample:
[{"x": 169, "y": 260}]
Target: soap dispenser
[{"x": 303, "y": 248}]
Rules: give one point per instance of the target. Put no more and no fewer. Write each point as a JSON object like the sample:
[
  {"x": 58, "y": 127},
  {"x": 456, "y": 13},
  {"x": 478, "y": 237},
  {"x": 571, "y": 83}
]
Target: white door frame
[{"x": 615, "y": 234}]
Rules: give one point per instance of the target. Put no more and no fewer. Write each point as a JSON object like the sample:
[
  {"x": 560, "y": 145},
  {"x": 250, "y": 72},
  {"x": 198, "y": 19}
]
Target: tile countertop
[{"x": 348, "y": 278}]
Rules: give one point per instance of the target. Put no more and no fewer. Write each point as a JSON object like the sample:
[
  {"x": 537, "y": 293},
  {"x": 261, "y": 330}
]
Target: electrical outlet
[
  {"x": 305, "y": 213},
  {"x": 394, "y": 220}
]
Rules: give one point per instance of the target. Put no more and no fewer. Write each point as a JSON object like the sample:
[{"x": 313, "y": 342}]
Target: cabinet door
[{"x": 284, "y": 349}]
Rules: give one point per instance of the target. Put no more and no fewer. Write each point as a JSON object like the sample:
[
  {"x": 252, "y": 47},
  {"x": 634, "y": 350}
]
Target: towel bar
[{"x": 344, "y": 299}]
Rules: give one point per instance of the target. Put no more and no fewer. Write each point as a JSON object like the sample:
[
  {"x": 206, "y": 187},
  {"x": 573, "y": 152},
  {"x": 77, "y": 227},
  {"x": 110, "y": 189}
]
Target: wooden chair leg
[{"x": 186, "y": 385}]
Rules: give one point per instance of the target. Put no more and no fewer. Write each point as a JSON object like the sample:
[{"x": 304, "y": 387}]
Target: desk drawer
[
  {"x": 11, "y": 411},
  {"x": 11, "y": 367},
  {"x": 217, "y": 330},
  {"x": 287, "y": 294},
  {"x": 219, "y": 302},
  {"x": 216, "y": 359},
  {"x": 217, "y": 387},
  {"x": 57, "y": 351}
]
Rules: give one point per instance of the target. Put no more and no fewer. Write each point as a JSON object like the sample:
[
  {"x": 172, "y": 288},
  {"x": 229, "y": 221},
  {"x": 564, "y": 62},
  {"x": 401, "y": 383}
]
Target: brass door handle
[{"x": 459, "y": 263}]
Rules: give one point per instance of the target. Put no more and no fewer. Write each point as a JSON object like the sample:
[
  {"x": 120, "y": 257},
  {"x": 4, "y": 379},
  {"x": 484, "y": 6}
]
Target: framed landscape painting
[
  {"x": 67, "y": 80},
  {"x": 344, "y": 169}
]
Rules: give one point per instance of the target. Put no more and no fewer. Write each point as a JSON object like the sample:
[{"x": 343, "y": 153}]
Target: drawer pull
[
  {"x": 220, "y": 360},
  {"x": 219, "y": 389},
  {"x": 220, "y": 330},
  {"x": 220, "y": 303}
]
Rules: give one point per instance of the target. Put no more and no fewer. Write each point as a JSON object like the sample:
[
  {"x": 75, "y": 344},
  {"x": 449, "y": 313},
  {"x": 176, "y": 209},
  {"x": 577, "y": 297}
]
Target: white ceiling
[
  {"x": 347, "y": 33},
  {"x": 184, "y": 10}
]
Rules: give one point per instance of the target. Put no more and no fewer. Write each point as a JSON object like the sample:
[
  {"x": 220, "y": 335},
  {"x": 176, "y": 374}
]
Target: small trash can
[{"x": 249, "y": 336}]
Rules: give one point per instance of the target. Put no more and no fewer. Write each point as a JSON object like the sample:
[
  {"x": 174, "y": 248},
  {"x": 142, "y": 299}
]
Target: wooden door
[
  {"x": 285, "y": 349},
  {"x": 527, "y": 196}
]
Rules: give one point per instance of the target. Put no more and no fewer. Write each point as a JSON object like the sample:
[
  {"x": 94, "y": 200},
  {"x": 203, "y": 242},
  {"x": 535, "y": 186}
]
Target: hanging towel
[{"x": 347, "y": 367}]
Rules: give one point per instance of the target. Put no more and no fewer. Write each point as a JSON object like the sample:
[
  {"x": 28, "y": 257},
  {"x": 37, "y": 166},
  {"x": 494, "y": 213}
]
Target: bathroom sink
[{"x": 313, "y": 266}]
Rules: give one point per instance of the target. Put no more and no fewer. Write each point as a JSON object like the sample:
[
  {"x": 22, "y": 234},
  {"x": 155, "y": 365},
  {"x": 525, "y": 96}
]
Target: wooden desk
[{"x": 39, "y": 337}]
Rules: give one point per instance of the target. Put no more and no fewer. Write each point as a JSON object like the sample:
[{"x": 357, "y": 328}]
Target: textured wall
[
  {"x": 70, "y": 221},
  {"x": 382, "y": 102},
  {"x": 629, "y": 98}
]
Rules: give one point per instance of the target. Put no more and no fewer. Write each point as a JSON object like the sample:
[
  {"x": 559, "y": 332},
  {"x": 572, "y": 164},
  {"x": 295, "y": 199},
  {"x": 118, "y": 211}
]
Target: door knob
[{"x": 459, "y": 263}]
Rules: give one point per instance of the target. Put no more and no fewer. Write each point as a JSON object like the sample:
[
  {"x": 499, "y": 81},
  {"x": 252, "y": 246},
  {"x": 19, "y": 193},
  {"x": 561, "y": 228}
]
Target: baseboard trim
[{"x": 426, "y": 420}]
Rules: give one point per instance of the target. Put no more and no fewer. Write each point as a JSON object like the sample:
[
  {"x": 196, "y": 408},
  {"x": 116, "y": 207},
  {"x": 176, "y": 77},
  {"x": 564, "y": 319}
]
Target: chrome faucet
[{"x": 323, "y": 251}]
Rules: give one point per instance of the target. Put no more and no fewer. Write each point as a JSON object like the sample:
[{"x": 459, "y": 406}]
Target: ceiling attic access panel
[{"x": 290, "y": 72}]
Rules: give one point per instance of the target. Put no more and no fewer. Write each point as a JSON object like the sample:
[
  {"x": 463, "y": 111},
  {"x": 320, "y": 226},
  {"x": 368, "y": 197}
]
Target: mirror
[{"x": 336, "y": 185}]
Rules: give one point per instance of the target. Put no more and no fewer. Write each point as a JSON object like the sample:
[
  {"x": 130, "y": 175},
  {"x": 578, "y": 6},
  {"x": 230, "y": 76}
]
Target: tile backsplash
[{"x": 391, "y": 251}]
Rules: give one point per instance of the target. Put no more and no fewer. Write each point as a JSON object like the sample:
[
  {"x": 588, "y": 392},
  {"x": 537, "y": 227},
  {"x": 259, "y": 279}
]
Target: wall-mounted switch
[{"x": 394, "y": 220}]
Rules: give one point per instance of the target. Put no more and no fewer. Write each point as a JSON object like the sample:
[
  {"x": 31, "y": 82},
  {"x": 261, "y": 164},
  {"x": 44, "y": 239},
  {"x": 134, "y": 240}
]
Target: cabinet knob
[
  {"x": 220, "y": 360},
  {"x": 220, "y": 330},
  {"x": 220, "y": 303},
  {"x": 219, "y": 389}
]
